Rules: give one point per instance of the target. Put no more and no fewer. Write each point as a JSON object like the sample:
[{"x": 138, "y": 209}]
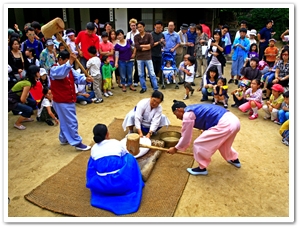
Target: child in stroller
[{"x": 169, "y": 70}]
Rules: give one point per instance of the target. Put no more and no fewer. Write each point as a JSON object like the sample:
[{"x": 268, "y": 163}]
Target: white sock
[{"x": 255, "y": 110}]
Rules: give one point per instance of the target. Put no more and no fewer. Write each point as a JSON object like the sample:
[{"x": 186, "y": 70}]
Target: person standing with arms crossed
[
  {"x": 143, "y": 43},
  {"x": 63, "y": 78}
]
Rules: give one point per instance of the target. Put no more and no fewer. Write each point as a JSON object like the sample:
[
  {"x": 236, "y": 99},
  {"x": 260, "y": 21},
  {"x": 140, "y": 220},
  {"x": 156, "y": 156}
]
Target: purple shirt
[{"x": 124, "y": 51}]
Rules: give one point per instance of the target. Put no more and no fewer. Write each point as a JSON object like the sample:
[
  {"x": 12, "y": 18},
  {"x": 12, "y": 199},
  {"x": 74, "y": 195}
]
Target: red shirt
[
  {"x": 107, "y": 47},
  {"x": 86, "y": 41},
  {"x": 206, "y": 29}
]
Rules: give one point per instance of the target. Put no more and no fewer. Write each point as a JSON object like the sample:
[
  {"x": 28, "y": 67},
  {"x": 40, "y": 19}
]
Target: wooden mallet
[{"x": 54, "y": 27}]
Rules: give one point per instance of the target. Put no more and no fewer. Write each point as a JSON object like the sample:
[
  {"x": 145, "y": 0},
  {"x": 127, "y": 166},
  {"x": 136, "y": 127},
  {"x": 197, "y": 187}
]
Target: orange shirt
[{"x": 273, "y": 51}]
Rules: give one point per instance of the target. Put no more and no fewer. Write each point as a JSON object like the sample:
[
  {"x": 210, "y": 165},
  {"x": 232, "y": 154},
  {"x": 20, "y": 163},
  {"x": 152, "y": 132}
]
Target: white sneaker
[
  {"x": 98, "y": 101},
  {"x": 94, "y": 99},
  {"x": 83, "y": 102},
  {"x": 168, "y": 82},
  {"x": 174, "y": 81},
  {"x": 135, "y": 84},
  {"x": 106, "y": 94},
  {"x": 110, "y": 93}
]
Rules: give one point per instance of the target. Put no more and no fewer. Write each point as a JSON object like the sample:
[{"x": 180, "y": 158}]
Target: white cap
[{"x": 43, "y": 71}]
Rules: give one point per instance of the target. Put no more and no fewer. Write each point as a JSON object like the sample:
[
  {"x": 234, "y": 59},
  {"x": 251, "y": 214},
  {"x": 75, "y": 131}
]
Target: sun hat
[
  {"x": 252, "y": 32},
  {"x": 278, "y": 88}
]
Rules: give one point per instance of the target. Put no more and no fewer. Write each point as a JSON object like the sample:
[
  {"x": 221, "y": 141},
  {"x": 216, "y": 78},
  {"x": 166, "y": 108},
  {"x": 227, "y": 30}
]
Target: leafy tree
[{"x": 257, "y": 17}]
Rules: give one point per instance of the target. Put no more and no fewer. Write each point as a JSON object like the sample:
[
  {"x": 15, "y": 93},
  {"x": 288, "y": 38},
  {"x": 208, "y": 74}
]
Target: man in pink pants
[{"x": 219, "y": 130}]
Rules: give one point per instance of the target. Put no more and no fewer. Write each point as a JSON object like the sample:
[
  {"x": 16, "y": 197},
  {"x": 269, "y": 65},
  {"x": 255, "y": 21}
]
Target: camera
[{"x": 213, "y": 40}]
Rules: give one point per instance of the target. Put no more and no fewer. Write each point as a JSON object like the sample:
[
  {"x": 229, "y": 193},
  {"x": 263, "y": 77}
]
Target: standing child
[
  {"x": 252, "y": 39},
  {"x": 46, "y": 111},
  {"x": 189, "y": 72},
  {"x": 239, "y": 94},
  {"x": 254, "y": 97},
  {"x": 107, "y": 70},
  {"x": 271, "y": 52},
  {"x": 273, "y": 105},
  {"x": 93, "y": 65},
  {"x": 253, "y": 52},
  {"x": 168, "y": 73},
  {"x": 220, "y": 92},
  {"x": 283, "y": 113}
]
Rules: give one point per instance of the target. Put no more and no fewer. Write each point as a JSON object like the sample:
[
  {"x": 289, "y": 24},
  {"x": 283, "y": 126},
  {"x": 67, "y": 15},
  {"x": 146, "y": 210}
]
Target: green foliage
[{"x": 257, "y": 17}]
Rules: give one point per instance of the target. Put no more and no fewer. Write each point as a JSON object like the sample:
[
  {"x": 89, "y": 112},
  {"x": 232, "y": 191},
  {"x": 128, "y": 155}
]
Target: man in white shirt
[{"x": 243, "y": 24}]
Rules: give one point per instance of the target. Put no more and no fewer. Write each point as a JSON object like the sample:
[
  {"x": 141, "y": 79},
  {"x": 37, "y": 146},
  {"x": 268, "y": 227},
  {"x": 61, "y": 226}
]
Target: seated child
[
  {"x": 209, "y": 80},
  {"x": 268, "y": 77},
  {"x": 189, "y": 76},
  {"x": 82, "y": 96},
  {"x": 273, "y": 105},
  {"x": 168, "y": 73},
  {"x": 30, "y": 58},
  {"x": 284, "y": 132},
  {"x": 182, "y": 65},
  {"x": 283, "y": 113},
  {"x": 239, "y": 94},
  {"x": 253, "y": 95},
  {"x": 263, "y": 66},
  {"x": 220, "y": 92},
  {"x": 44, "y": 79},
  {"x": 46, "y": 111}
]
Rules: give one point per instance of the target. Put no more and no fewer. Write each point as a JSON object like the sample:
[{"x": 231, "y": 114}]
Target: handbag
[
  {"x": 204, "y": 49},
  {"x": 13, "y": 99}
]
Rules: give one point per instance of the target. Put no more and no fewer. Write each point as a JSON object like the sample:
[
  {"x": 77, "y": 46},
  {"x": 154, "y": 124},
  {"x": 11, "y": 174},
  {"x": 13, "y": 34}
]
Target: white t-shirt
[
  {"x": 94, "y": 64},
  {"x": 45, "y": 103},
  {"x": 80, "y": 88},
  {"x": 191, "y": 69},
  {"x": 130, "y": 35},
  {"x": 72, "y": 45}
]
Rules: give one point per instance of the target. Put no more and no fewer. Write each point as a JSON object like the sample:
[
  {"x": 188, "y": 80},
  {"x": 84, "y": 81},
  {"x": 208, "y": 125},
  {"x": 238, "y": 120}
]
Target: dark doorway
[{"x": 101, "y": 13}]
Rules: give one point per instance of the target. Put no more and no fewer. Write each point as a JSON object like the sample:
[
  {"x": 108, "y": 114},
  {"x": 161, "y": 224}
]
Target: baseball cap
[
  {"x": 278, "y": 88},
  {"x": 272, "y": 39},
  {"x": 49, "y": 42},
  {"x": 43, "y": 71},
  {"x": 64, "y": 55}
]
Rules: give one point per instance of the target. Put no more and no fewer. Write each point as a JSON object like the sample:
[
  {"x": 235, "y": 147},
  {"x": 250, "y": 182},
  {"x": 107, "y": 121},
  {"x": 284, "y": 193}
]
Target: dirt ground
[{"x": 259, "y": 189}]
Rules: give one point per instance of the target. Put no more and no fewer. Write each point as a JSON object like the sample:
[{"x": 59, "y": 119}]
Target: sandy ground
[{"x": 259, "y": 189}]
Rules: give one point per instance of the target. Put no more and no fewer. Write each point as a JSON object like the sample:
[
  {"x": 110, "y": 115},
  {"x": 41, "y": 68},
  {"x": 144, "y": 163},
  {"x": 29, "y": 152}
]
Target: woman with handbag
[
  {"x": 18, "y": 97},
  {"x": 15, "y": 59}
]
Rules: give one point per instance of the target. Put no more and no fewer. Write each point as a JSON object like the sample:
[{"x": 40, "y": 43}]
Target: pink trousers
[
  {"x": 247, "y": 106},
  {"x": 219, "y": 137}
]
